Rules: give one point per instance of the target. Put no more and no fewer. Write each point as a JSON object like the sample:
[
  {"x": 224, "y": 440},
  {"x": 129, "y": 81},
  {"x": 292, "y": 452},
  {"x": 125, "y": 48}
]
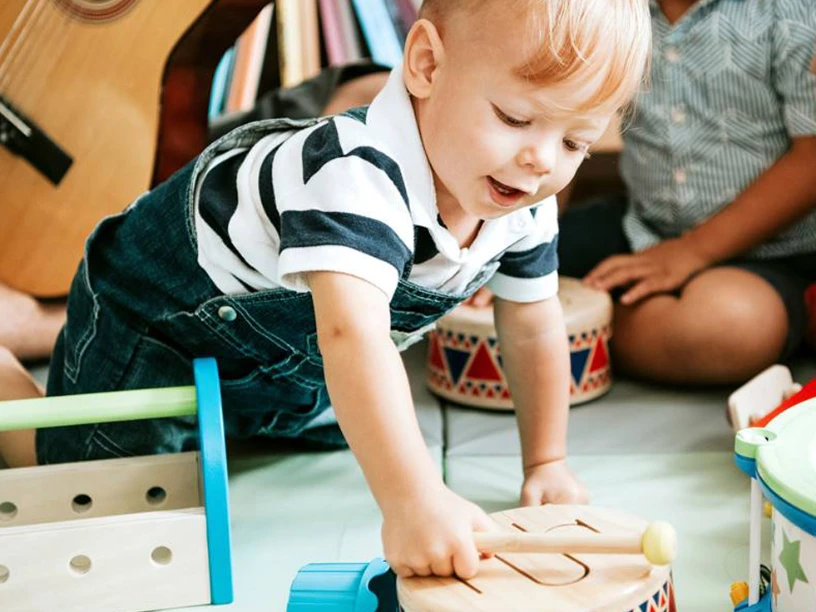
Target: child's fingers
[
  {"x": 644, "y": 289},
  {"x": 625, "y": 275},
  {"x": 607, "y": 267},
  {"x": 442, "y": 566},
  {"x": 530, "y": 497},
  {"x": 421, "y": 569},
  {"x": 403, "y": 571},
  {"x": 466, "y": 561},
  {"x": 480, "y": 521}
]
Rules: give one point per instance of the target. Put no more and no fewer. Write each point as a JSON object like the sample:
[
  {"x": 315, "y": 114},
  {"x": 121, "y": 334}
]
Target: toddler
[{"x": 303, "y": 255}]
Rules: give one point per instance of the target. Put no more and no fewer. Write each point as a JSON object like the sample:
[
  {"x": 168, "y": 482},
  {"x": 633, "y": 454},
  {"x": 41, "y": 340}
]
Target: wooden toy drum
[
  {"x": 464, "y": 364},
  {"x": 521, "y": 582}
]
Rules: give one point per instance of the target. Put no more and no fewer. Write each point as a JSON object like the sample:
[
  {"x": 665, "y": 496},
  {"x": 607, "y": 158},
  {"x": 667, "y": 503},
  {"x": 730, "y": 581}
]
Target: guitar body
[{"x": 121, "y": 87}]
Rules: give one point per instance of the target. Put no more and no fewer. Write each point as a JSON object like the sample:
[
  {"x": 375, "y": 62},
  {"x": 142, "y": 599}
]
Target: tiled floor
[{"x": 648, "y": 451}]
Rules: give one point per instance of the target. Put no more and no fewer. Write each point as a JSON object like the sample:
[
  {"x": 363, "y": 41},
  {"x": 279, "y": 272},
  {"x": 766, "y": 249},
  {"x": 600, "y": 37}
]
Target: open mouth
[{"x": 502, "y": 194}]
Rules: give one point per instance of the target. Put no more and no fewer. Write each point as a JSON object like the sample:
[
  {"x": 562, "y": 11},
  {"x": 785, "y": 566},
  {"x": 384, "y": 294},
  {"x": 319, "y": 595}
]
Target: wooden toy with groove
[{"x": 118, "y": 535}]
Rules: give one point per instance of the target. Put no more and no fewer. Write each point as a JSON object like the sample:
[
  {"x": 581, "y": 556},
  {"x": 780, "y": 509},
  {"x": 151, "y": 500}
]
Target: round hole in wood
[
  {"x": 156, "y": 496},
  {"x": 81, "y": 503},
  {"x": 81, "y": 564},
  {"x": 162, "y": 555},
  {"x": 7, "y": 511}
]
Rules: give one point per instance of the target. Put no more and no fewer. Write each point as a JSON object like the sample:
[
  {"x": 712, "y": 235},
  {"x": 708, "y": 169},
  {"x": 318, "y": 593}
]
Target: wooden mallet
[{"x": 658, "y": 543}]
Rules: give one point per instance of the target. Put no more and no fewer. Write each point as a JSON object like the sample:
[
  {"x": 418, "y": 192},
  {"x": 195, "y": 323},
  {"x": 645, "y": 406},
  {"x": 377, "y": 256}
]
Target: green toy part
[{"x": 97, "y": 408}]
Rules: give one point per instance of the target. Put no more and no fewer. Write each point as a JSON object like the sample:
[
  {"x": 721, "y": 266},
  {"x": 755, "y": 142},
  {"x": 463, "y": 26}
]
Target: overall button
[{"x": 227, "y": 313}]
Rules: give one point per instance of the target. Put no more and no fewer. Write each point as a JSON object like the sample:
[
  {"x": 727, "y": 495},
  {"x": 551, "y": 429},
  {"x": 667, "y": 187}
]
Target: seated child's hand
[
  {"x": 660, "y": 269},
  {"x": 554, "y": 483},
  {"x": 434, "y": 535}
]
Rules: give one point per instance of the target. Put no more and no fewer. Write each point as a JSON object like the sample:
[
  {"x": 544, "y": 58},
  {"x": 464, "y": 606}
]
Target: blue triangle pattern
[
  {"x": 491, "y": 342},
  {"x": 456, "y": 362},
  {"x": 578, "y": 361}
]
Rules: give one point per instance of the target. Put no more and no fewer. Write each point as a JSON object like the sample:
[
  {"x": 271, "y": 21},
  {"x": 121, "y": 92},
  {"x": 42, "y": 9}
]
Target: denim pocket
[{"x": 82, "y": 323}]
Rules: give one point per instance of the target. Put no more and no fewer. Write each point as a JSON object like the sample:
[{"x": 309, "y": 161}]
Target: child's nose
[{"x": 540, "y": 157}]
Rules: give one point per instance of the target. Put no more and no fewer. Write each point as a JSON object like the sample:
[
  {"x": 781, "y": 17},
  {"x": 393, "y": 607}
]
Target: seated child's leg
[
  {"x": 16, "y": 447},
  {"x": 727, "y": 325},
  {"x": 29, "y": 327}
]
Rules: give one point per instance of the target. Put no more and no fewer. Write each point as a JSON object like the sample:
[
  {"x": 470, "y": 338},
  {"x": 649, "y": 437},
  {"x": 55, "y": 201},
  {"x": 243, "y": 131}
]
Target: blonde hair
[{"x": 604, "y": 43}]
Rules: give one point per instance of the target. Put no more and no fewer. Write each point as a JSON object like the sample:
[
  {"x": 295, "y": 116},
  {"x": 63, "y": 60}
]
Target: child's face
[{"x": 495, "y": 142}]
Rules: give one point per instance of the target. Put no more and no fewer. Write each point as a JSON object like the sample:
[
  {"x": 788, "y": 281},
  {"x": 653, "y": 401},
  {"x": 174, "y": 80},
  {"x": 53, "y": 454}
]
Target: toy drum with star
[
  {"x": 574, "y": 582},
  {"x": 464, "y": 363},
  {"x": 780, "y": 460}
]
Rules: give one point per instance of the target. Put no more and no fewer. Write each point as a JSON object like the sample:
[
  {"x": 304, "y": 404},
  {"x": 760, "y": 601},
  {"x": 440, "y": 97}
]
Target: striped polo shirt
[
  {"x": 732, "y": 83},
  {"x": 354, "y": 194}
]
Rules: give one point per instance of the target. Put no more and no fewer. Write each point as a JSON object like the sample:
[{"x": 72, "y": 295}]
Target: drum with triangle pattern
[{"x": 464, "y": 363}]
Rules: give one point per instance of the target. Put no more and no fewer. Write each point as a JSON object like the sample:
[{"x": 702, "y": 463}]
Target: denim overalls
[{"x": 140, "y": 309}]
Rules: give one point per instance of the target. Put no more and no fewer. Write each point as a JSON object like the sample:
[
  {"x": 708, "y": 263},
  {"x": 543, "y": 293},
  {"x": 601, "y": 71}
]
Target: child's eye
[
  {"x": 574, "y": 147},
  {"x": 511, "y": 121}
]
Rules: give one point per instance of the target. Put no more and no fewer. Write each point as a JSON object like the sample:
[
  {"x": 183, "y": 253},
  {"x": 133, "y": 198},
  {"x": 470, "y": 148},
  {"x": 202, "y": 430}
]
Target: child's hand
[
  {"x": 554, "y": 483},
  {"x": 481, "y": 299},
  {"x": 434, "y": 536},
  {"x": 659, "y": 269}
]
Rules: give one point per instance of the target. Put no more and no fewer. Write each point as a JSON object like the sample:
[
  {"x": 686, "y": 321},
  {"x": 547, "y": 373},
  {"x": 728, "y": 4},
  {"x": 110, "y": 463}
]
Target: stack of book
[{"x": 291, "y": 40}]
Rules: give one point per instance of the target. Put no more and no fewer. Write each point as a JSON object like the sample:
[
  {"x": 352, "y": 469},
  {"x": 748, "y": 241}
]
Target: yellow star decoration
[{"x": 790, "y": 561}]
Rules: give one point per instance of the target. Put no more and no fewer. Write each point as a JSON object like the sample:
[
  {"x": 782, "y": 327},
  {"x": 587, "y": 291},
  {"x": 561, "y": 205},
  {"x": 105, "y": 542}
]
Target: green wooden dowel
[{"x": 97, "y": 408}]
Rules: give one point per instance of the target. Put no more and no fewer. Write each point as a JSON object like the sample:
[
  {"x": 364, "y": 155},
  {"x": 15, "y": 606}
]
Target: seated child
[
  {"x": 303, "y": 254},
  {"x": 716, "y": 244},
  {"x": 713, "y": 249}
]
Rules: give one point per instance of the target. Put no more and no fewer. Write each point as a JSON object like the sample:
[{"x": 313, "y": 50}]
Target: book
[
  {"x": 290, "y": 50},
  {"x": 310, "y": 38},
  {"x": 379, "y": 31},
  {"x": 249, "y": 56},
  {"x": 408, "y": 13},
  {"x": 349, "y": 31},
  {"x": 221, "y": 83},
  {"x": 332, "y": 32},
  {"x": 396, "y": 21}
]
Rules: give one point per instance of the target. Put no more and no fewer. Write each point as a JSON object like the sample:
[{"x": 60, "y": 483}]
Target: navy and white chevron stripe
[{"x": 354, "y": 194}]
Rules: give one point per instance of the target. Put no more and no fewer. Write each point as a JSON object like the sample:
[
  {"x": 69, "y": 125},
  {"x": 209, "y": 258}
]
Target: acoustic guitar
[{"x": 99, "y": 99}]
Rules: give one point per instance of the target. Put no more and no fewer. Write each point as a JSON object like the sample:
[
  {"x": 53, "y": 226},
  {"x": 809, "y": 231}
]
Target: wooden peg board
[{"x": 550, "y": 582}]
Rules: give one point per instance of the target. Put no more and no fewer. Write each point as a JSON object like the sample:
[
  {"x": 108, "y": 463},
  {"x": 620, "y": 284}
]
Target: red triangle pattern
[
  {"x": 482, "y": 366},
  {"x": 435, "y": 354},
  {"x": 665, "y": 603},
  {"x": 600, "y": 359}
]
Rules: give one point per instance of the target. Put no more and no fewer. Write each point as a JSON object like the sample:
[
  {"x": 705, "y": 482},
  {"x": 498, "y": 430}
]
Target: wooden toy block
[{"x": 118, "y": 535}]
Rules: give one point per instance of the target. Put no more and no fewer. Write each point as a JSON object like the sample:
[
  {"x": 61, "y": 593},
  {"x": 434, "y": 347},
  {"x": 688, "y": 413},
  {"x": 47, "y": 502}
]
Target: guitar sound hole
[{"x": 96, "y": 10}]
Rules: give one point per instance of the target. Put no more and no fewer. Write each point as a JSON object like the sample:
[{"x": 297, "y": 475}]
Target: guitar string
[
  {"x": 22, "y": 17},
  {"x": 29, "y": 90},
  {"x": 24, "y": 72},
  {"x": 8, "y": 67},
  {"x": 33, "y": 46}
]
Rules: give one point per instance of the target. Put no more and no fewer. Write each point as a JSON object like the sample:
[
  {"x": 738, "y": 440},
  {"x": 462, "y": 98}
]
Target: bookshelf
[{"x": 292, "y": 40}]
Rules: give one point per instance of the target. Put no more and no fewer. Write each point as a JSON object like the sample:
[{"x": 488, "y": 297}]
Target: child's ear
[{"x": 423, "y": 55}]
